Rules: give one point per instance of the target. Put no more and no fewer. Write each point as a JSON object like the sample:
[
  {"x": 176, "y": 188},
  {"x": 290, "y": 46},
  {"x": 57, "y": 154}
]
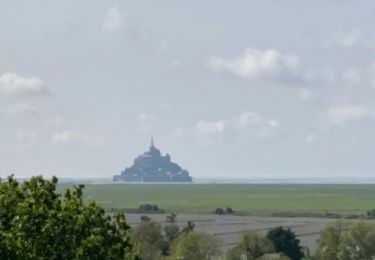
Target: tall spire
[{"x": 152, "y": 146}]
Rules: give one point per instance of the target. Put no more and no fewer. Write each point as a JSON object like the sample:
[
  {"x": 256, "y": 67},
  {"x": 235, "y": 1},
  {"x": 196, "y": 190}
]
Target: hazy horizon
[{"x": 244, "y": 89}]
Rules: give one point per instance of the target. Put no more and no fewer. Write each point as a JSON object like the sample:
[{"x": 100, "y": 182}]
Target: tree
[
  {"x": 189, "y": 226},
  {"x": 371, "y": 213},
  {"x": 285, "y": 241},
  {"x": 252, "y": 246},
  {"x": 229, "y": 210},
  {"x": 219, "y": 211},
  {"x": 148, "y": 208},
  {"x": 195, "y": 246},
  {"x": 170, "y": 232},
  {"x": 171, "y": 218},
  {"x": 358, "y": 242},
  {"x": 152, "y": 240},
  {"x": 148, "y": 238},
  {"x": 330, "y": 239},
  {"x": 38, "y": 223}
]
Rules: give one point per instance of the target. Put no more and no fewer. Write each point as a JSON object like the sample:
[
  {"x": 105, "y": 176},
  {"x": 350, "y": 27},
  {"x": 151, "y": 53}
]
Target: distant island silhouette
[{"x": 152, "y": 166}]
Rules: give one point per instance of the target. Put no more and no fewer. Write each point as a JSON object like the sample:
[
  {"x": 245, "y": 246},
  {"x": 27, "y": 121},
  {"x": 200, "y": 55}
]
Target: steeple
[{"x": 152, "y": 146}]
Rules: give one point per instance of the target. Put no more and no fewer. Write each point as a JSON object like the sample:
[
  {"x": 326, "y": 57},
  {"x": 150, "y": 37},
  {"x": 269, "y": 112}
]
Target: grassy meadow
[{"x": 257, "y": 199}]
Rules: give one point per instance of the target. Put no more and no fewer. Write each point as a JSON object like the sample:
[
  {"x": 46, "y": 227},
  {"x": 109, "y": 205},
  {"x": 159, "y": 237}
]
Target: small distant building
[{"x": 152, "y": 166}]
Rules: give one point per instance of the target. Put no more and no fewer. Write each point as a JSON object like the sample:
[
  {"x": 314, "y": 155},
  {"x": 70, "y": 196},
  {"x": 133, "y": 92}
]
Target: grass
[{"x": 259, "y": 199}]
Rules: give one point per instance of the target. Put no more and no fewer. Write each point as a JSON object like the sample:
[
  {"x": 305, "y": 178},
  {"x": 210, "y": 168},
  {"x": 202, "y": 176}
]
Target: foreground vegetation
[
  {"x": 258, "y": 199},
  {"x": 338, "y": 241},
  {"x": 36, "y": 222}
]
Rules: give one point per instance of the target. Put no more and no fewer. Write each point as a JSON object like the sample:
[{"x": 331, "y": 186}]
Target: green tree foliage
[
  {"x": 229, "y": 210},
  {"x": 219, "y": 211},
  {"x": 148, "y": 238},
  {"x": 330, "y": 239},
  {"x": 371, "y": 214},
  {"x": 148, "y": 208},
  {"x": 153, "y": 240},
  {"x": 252, "y": 246},
  {"x": 195, "y": 246},
  {"x": 38, "y": 223},
  {"x": 285, "y": 241},
  {"x": 358, "y": 242},
  {"x": 170, "y": 232},
  {"x": 340, "y": 241}
]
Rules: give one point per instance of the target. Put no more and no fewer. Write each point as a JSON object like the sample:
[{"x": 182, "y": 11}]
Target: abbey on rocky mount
[{"x": 152, "y": 166}]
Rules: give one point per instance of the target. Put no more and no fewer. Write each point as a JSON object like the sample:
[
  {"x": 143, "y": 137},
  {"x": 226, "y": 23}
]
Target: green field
[{"x": 249, "y": 198}]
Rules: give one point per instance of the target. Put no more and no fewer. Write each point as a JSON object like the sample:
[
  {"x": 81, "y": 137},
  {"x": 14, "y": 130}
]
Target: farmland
[
  {"x": 254, "y": 203},
  {"x": 254, "y": 199}
]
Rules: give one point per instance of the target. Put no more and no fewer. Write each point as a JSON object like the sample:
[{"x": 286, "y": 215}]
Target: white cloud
[
  {"x": 73, "y": 137},
  {"x": 252, "y": 118},
  {"x": 145, "y": 118},
  {"x": 65, "y": 136},
  {"x": 20, "y": 108},
  {"x": 348, "y": 39},
  {"x": 146, "y": 122},
  {"x": 14, "y": 83},
  {"x": 273, "y": 123},
  {"x": 255, "y": 126},
  {"x": 246, "y": 123},
  {"x": 206, "y": 127},
  {"x": 342, "y": 114},
  {"x": 113, "y": 19},
  {"x": 249, "y": 118},
  {"x": 259, "y": 64},
  {"x": 343, "y": 39}
]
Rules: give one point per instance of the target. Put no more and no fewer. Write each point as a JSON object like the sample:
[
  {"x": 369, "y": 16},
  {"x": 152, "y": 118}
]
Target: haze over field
[{"x": 237, "y": 89}]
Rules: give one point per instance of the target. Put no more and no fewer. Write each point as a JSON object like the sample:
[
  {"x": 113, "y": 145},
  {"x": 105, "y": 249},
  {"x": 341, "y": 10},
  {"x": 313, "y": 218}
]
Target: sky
[{"x": 230, "y": 89}]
